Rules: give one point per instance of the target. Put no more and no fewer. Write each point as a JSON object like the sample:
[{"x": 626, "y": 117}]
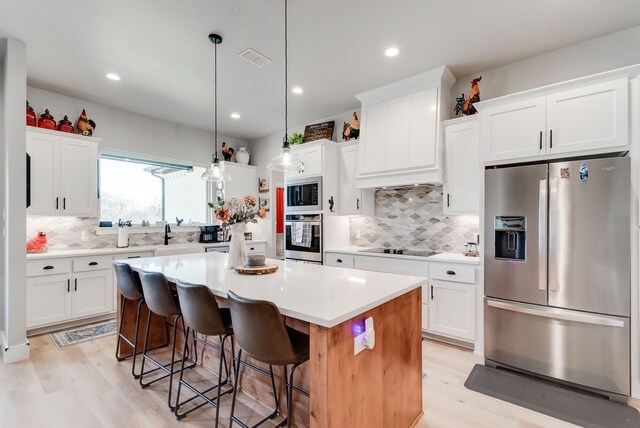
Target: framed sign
[{"x": 318, "y": 131}]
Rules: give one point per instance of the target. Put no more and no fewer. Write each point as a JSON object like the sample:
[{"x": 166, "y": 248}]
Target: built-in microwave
[{"x": 304, "y": 195}]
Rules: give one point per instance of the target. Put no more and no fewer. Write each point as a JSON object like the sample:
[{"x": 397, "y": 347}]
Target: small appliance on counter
[{"x": 210, "y": 234}]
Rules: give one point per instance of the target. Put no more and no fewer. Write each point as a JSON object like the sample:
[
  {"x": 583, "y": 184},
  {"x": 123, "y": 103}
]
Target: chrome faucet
[{"x": 167, "y": 231}]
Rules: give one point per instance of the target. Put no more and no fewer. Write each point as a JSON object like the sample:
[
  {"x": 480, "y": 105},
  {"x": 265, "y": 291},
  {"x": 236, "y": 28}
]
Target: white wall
[
  {"x": 3, "y": 48},
  {"x": 593, "y": 56},
  {"x": 14, "y": 200},
  {"x": 123, "y": 131},
  {"x": 266, "y": 148}
]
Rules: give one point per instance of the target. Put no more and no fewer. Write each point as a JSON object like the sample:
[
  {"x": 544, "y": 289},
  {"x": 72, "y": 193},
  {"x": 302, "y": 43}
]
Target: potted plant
[{"x": 296, "y": 138}]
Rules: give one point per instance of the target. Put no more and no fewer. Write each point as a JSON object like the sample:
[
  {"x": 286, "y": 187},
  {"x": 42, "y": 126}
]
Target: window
[{"x": 137, "y": 190}]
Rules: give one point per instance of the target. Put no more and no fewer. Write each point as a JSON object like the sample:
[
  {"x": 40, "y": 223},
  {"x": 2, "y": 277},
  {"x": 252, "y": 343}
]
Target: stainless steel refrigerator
[{"x": 557, "y": 271}]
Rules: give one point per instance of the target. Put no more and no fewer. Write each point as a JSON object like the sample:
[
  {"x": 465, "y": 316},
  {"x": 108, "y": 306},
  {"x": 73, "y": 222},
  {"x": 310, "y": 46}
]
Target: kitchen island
[{"x": 378, "y": 387}]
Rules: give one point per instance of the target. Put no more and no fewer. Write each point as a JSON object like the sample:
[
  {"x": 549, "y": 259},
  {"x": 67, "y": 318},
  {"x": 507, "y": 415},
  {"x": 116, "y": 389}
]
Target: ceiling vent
[{"x": 254, "y": 57}]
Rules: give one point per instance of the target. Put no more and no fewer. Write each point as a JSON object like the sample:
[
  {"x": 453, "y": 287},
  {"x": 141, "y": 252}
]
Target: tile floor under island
[{"x": 84, "y": 386}]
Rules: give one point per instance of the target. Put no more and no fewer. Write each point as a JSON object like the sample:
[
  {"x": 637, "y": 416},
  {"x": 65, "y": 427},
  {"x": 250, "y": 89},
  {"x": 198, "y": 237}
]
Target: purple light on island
[{"x": 357, "y": 328}]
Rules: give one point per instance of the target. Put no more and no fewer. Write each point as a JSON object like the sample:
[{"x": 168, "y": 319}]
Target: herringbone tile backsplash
[{"x": 411, "y": 217}]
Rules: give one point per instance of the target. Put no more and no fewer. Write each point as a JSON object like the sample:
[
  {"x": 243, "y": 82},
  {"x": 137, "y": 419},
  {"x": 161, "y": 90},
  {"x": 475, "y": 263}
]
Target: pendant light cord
[
  {"x": 215, "y": 101},
  {"x": 285, "y": 141}
]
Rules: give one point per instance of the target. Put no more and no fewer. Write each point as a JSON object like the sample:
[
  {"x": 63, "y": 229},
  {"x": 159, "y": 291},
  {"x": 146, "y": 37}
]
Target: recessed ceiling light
[
  {"x": 235, "y": 115},
  {"x": 112, "y": 76},
  {"x": 297, "y": 90},
  {"x": 392, "y": 51}
]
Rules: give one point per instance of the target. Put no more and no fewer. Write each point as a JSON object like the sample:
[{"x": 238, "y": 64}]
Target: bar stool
[
  {"x": 131, "y": 290},
  {"x": 263, "y": 335},
  {"x": 162, "y": 302},
  {"x": 203, "y": 315}
]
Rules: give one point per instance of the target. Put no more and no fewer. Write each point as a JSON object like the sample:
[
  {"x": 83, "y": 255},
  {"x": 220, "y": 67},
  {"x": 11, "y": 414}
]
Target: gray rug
[
  {"x": 561, "y": 403},
  {"x": 84, "y": 333}
]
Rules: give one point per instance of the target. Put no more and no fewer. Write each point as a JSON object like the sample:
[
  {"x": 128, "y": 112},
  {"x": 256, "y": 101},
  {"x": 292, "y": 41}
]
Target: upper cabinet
[
  {"x": 63, "y": 174},
  {"x": 244, "y": 180},
  {"x": 353, "y": 201},
  {"x": 462, "y": 158},
  {"x": 312, "y": 156},
  {"x": 400, "y": 135},
  {"x": 590, "y": 118}
]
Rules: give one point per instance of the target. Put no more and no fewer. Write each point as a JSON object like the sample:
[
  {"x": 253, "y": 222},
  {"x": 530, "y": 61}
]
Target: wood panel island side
[{"x": 377, "y": 387}]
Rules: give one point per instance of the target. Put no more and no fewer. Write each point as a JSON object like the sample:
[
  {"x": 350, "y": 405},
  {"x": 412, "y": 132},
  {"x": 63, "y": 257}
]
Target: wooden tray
[{"x": 256, "y": 270}]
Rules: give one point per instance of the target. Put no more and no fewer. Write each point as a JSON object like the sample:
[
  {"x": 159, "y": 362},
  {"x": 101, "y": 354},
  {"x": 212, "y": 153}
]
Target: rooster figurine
[
  {"x": 474, "y": 97},
  {"x": 351, "y": 130},
  {"x": 84, "y": 125}
]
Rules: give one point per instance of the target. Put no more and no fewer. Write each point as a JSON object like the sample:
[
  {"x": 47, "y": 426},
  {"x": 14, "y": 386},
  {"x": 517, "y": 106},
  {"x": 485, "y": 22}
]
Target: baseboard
[
  {"x": 15, "y": 353},
  {"x": 449, "y": 340},
  {"x": 70, "y": 324}
]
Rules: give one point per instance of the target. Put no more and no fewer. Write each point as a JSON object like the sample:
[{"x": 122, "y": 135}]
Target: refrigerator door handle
[
  {"x": 553, "y": 195},
  {"x": 542, "y": 235},
  {"x": 557, "y": 314}
]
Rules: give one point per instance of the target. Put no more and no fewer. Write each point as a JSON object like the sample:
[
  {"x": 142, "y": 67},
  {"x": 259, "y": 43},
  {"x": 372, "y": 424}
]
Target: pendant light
[
  {"x": 285, "y": 161},
  {"x": 216, "y": 171}
]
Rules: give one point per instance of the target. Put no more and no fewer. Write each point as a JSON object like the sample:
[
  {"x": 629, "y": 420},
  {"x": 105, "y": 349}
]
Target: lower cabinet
[
  {"x": 59, "y": 298},
  {"x": 452, "y": 309}
]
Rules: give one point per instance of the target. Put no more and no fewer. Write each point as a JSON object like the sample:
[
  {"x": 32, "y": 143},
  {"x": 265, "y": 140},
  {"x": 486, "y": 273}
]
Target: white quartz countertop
[
  {"x": 322, "y": 295},
  {"x": 442, "y": 257},
  {"x": 132, "y": 249}
]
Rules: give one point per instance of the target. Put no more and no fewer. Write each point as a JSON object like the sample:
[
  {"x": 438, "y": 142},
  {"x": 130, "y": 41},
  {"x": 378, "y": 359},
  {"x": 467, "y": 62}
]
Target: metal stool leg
[
  {"x": 144, "y": 349},
  {"x": 124, "y": 302},
  {"x": 173, "y": 357},
  {"x": 135, "y": 340}
]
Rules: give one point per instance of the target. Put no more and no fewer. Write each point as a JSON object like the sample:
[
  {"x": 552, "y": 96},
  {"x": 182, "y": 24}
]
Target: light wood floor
[{"x": 84, "y": 386}]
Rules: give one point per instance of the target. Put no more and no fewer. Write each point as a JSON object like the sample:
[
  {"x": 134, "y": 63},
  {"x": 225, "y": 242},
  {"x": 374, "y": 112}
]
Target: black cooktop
[{"x": 399, "y": 251}]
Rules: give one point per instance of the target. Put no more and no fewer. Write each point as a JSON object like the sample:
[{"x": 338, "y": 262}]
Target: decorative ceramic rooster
[
  {"x": 474, "y": 97},
  {"x": 84, "y": 125},
  {"x": 227, "y": 152},
  {"x": 351, "y": 130}
]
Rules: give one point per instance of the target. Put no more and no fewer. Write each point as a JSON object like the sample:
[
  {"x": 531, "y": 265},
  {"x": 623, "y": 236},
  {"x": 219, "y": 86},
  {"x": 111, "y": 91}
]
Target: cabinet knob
[
  {"x": 93, "y": 264},
  {"x": 48, "y": 267},
  {"x": 450, "y": 272},
  {"x": 339, "y": 260},
  {"x": 252, "y": 248}
]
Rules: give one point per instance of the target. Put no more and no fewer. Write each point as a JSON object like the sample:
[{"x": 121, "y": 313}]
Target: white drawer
[
  {"x": 48, "y": 267},
  {"x": 89, "y": 263},
  {"x": 259, "y": 248},
  {"x": 339, "y": 260},
  {"x": 392, "y": 265},
  {"x": 453, "y": 272},
  {"x": 140, "y": 255}
]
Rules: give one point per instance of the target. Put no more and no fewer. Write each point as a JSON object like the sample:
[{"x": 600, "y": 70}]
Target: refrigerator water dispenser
[{"x": 510, "y": 237}]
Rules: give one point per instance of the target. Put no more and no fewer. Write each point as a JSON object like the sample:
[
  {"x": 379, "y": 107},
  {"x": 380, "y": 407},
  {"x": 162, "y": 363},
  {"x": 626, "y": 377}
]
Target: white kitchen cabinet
[
  {"x": 244, "y": 180},
  {"x": 392, "y": 265},
  {"x": 64, "y": 174},
  {"x": 514, "y": 130},
  {"x": 48, "y": 299},
  {"x": 425, "y": 316},
  {"x": 340, "y": 260},
  {"x": 83, "y": 290},
  {"x": 462, "y": 153},
  {"x": 400, "y": 140},
  {"x": 256, "y": 248},
  {"x": 452, "y": 309},
  {"x": 589, "y": 119},
  {"x": 78, "y": 177},
  {"x": 592, "y": 117},
  {"x": 92, "y": 293},
  {"x": 353, "y": 201},
  {"x": 312, "y": 156}
]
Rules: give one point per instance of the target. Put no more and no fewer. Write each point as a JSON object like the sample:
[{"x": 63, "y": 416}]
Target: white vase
[
  {"x": 242, "y": 156},
  {"x": 237, "y": 249}
]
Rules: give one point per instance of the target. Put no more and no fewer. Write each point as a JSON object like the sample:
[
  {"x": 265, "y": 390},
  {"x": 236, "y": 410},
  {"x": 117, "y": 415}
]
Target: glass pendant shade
[
  {"x": 285, "y": 161},
  {"x": 216, "y": 172}
]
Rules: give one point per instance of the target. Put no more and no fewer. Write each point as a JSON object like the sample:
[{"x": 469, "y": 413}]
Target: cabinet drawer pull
[
  {"x": 64, "y": 203},
  {"x": 551, "y": 138},
  {"x": 93, "y": 264},
  {"x": 57, "y": 200},
  {"x": 48, "y": 267},
  {"x": 540, "y": 140},
  {"x": 133, "y": 257},
  {"x": 432, "y": 292},
  {"x": 68, "y": 285},
  {"x": 450, "y": 272},
  {"x": 339, "y": 260},
  {"x": 252, "y": 248},
  {"x": 448, "y": 200},
  {"x": 358, "y": 203},
  {"x": 75, "y": 287}
]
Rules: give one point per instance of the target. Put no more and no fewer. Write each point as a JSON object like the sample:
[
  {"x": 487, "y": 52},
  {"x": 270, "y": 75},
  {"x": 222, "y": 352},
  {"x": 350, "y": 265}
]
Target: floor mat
[
  {"x": 561, "y": 403},
  {"x": 84, "y": 333}
]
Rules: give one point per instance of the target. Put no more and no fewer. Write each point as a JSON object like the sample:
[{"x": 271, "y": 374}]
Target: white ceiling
[{"x": 161, "y": 51}]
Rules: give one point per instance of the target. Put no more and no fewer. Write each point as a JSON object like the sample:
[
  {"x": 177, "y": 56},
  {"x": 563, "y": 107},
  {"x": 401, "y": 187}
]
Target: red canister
[
  {"x": 65, "y": 125},
  {"x": 47, "y": 121},
  {"x": 31, "y": 116}
]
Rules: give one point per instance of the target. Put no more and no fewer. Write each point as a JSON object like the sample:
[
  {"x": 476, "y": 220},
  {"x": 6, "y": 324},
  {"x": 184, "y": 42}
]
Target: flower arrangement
[{"x": 238, "y": 210}]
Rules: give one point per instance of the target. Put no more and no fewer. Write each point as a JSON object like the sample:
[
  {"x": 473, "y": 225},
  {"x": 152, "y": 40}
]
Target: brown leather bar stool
[
  {"x": 131, "y": 290},
  {"x": 203, "y": 315},
  {"x": 261, "y": 332},
  {"x": 162, "y": 301}
]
